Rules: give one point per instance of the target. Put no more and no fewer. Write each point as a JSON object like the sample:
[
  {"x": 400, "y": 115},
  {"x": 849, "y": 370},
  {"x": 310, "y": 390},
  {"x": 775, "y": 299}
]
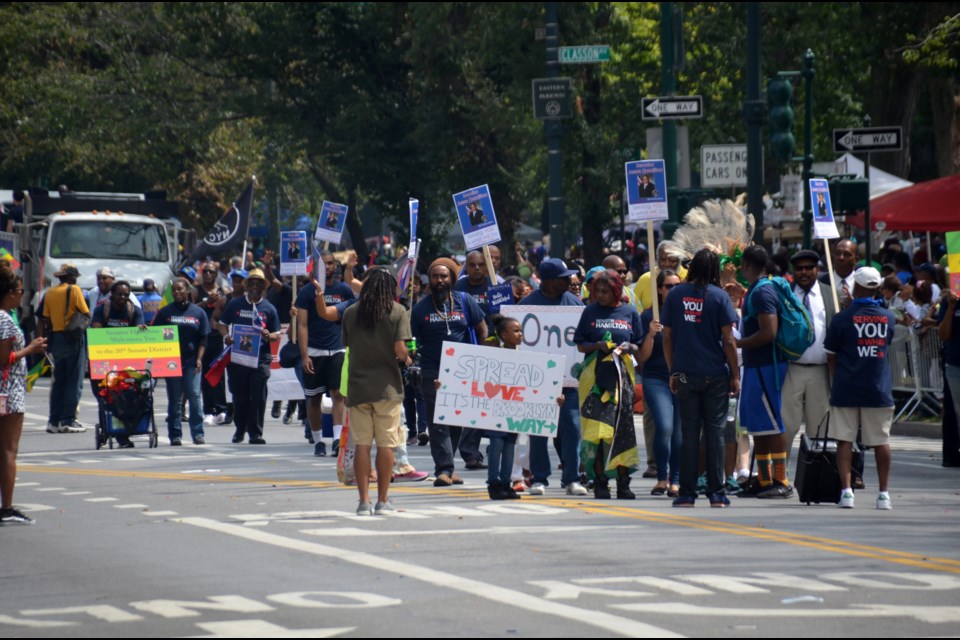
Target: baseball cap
[
  {"x": 148, "y": 284},
  {"x": 238, "y": 273},
  {"x": 105, "y": 272},
  {"x": 867, "y": 277},
  {"x": 554, "y": 268}
]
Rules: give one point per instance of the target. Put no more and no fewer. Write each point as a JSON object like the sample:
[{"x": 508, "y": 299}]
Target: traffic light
[
  {"x": 779, "y": 97},
  {"x": 849, "y": 194}
]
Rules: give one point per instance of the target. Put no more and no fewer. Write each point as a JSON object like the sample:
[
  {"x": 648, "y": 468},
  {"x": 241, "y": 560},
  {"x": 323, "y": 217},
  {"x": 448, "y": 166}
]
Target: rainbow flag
[{"x": 6, "y": 255}]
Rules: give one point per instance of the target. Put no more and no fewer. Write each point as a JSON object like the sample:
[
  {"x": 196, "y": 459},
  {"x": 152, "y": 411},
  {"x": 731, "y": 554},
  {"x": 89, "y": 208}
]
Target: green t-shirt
[{"x": 374, "y": 374}]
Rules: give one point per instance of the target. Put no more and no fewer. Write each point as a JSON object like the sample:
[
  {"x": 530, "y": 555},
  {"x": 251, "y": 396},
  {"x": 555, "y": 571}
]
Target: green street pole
[
  {"x": 668, "y": 86},
  {"x": 554, "y": 131},
  {"x": 754, "y": 112},
  {"x": 808, "y": 73}
]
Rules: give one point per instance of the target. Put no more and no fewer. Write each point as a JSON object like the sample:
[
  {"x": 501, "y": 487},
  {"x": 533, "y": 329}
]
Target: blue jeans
[
  {"x": 569, "y": 430},
  {"x": 68, "y": 359},
  {"x": 500, "y": 458},
  {"x": 703, "y": 405},
  {"x": 189, "y": 382},
  {"x": 667, "y": 437}
]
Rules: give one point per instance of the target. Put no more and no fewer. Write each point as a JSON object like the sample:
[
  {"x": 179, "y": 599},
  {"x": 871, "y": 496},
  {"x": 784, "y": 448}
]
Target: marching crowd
[{"x": 696, "y": 337}]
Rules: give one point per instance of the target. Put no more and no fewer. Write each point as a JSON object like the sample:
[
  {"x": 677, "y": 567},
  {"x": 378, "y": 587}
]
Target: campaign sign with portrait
[
  {"x": 293, "y": 253},
  {"x": 477, "y": 219},
  {"x": 246, "y": 345},
  {"x": 119, "y": 348},
  {"x": 646, "y": 190},
  {"x": 824, "y": 226},
  {"x": 414, "y": 214},
  {"x": 333, "y": 217}
]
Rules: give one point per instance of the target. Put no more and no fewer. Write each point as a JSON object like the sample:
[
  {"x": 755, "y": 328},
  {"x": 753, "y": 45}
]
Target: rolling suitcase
[{"x": 817, "y": 479}]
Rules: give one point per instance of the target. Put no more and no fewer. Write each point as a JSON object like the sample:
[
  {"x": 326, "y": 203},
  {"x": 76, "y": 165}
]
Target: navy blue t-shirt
[
  {"x": 622, "y": 322},
  {"x": 239, "y": 311},
  {"x": 129, "y": 316},
  {"x": 478, "y": 293},
  {"x": 860, "y": 337},
  {"x": 762, "y": 299},
  {"x": 696, "y": 317},
  {"x": 192, "y": 328},
  {"x": 951, "y": 348},
  {"x": 430, "y": 329},
  {"x": 323, "y": 334},
  {"x": 537, "y": 298},
  {"x": 655, "y": 368}
]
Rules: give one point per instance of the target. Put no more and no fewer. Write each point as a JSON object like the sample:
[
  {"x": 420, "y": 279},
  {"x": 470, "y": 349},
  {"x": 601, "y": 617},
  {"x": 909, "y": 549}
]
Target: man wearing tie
[
  {"x": 806, "y": 389},
  {"x": 844, "y": 264}
]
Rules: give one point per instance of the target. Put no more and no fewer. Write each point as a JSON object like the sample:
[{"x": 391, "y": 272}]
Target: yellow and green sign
[
  {"x": 953, "y": 260},
  {"x": 133, "y": 348}
]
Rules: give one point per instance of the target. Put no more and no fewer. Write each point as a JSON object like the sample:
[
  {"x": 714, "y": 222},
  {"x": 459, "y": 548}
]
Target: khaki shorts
[
  {"x": 376, "y": 421},
  {"x": 875, "y": 423}
]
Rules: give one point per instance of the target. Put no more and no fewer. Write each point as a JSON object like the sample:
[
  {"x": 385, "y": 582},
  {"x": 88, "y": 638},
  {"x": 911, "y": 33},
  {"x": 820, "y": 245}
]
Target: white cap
[{"x": 867, "y": 277}]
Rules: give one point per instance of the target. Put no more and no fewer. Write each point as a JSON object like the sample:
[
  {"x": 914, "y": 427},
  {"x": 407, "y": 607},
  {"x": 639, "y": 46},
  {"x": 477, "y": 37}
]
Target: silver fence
[{"x": 915, "y": 360}]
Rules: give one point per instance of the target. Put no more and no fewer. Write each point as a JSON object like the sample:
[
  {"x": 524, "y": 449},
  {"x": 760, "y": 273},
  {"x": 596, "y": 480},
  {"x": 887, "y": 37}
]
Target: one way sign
[
  {"x": 672, "y": 107},
  {"x": 872, "y": 139}
]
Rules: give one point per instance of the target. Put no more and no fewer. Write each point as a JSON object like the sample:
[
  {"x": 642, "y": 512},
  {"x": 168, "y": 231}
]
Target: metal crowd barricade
[{"x": 915, "y": 361}]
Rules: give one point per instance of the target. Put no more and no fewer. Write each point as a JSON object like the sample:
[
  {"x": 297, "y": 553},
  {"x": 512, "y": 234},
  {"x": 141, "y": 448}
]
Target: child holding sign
[{"x": 502, "y": 444}]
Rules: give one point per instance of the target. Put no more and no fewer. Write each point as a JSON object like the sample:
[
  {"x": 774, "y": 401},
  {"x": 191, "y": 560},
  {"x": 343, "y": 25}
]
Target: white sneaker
[
  {"x": 221, "y": 418},
  {"x": 209, "y": 420},
  {"x": 537, "y": 489},
  {"x": 75, "y": 427},
  {"x": 364, "y": 509},
  {"x": 384, "y": 509},
  {"x": 846, "y": 499},
  {"x": 53, "y": 428},
  {"x": 576, "y": 489},
  {"x": 883, "y": 501}
]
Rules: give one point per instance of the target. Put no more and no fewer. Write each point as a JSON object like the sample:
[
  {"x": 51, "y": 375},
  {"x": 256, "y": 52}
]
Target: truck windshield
[{"x": 108, "y": 240}]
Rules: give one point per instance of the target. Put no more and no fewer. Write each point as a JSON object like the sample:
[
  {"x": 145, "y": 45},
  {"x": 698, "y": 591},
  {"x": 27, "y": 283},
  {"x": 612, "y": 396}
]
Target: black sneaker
[
  {"x": 199, "y": 440},
  {"x": 175, "y": 442},
  {"x": 719, "y": 501},
  {"x": 320, "y": 450},
  {"x": 423, "y": 438},
  {"x": 275, "y": 410},
  {"x": 12, "y": 516},
  {"x": 751, "y": 488},
  {"x": 777, "y": 490}
]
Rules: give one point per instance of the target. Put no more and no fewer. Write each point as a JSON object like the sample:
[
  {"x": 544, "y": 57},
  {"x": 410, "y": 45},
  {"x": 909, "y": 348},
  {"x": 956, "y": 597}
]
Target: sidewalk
[{"x": 931, "y": 430}]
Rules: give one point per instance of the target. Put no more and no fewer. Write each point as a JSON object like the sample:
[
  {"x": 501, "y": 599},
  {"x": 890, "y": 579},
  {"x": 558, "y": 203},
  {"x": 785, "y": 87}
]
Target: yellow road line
[{"x": 772, "y": 535}]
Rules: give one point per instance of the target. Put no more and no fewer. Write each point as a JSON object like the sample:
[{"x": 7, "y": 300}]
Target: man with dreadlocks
[
  {"x": 701, "y": 354},
  {"x": 375, "y": 330}
]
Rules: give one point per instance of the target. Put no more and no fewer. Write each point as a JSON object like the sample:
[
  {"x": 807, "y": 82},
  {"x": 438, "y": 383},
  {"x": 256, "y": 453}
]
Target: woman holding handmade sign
[
  {"x": 609, "y": 333},
  {"x": 252, "y": 317}
]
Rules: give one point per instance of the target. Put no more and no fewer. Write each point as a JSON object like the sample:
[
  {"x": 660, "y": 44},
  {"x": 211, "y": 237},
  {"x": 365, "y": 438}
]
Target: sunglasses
[{"x": 668, "y": 286}]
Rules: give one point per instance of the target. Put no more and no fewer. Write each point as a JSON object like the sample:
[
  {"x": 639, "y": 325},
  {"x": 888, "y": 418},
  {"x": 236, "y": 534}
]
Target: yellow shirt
[
  {"x": 55, "y": 305},
  {"x": 642, "y": 288}
]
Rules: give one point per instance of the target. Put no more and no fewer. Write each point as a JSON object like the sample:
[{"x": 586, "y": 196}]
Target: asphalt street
[{"x": 240, "y": 541}]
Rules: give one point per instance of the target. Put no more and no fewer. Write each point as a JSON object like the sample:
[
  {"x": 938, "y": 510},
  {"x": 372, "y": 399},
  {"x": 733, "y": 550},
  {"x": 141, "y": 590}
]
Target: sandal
[
  {"x": 659, "y": 490},
  {"x": 673, "y": 491}
]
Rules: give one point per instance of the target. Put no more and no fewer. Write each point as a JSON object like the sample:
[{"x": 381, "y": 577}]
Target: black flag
[{"x": 229, "y": 232}]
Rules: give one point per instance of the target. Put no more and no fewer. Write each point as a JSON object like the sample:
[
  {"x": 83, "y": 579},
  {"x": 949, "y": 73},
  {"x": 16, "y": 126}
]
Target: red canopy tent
[{"x": 927, "y": 206}]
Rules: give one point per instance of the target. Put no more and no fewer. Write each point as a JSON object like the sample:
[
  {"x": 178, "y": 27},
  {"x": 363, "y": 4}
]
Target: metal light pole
[
  {"x": 668, "y": 87},
  {"x": 554, "y": 131},
  {"x": 808, "y": 73},
  {"x": 866, "y": 212}
]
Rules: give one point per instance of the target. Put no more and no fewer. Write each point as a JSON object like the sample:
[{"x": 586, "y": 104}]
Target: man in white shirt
[
  {"x": 806, "y": 389},
  {"x": 100, "y": 294}
]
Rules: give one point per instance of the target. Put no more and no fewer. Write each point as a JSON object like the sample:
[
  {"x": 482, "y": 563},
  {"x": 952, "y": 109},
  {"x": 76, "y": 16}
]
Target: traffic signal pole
[{"x": 755, "y": 116}]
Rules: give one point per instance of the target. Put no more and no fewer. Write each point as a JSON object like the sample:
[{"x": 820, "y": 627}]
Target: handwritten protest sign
[
  {"x": 499, "y": 389},
  {"x": 121, "y": 348},
  {"x": 549, "y": 330}
]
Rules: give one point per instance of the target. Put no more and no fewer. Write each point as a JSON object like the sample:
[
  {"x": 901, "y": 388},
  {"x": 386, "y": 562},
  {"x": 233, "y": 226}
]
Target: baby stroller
[{"x": 126, "y": 407}]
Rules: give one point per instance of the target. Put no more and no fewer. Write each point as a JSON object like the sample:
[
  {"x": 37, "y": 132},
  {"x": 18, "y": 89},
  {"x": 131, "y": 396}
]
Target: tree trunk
[{"x": 945, "y": 102}]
